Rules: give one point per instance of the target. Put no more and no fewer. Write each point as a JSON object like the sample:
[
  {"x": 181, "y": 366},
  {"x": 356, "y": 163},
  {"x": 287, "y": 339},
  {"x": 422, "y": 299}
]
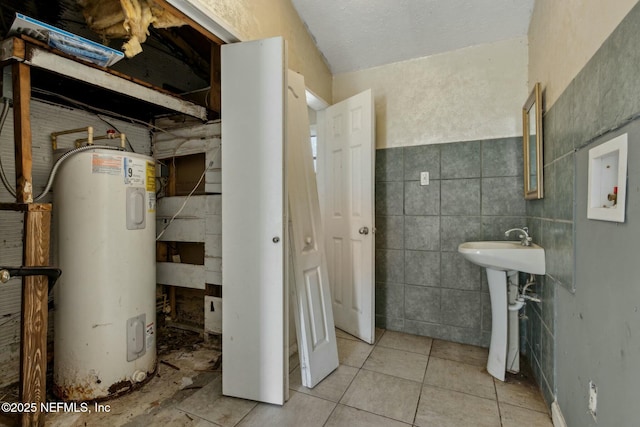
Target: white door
[
  {"x": 317, "y": 346},
  {"x": 254, "y": 254},
  {"x": 346, "y": 156}
]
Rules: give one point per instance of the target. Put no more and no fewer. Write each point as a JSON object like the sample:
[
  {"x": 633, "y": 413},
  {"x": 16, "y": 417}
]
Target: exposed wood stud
[
  {"x": 171, "y": 184},
  {"x": 33, "y": 330},
  {"x": 22, "y": 131},
  {"x": 215, "y": 99},
  {"x": 36, "y": 242},
  {"x": 162, "y": 252}
]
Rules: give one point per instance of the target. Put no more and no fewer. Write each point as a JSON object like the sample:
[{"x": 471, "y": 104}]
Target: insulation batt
[{"x": 129, "y": 19}]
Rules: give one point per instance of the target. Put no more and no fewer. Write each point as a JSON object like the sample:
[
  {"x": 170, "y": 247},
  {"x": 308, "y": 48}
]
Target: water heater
[{"x": 104, "y": 229}]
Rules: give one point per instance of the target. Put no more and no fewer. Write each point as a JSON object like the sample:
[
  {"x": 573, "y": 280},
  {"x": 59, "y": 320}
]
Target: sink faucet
[{"x": 523, "y": 236}]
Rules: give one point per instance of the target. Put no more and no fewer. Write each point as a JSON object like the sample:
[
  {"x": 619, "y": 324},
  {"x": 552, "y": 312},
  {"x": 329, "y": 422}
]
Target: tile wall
[
  {"x": 602, "y": 101},
  {"x": 423, "y": 286}
]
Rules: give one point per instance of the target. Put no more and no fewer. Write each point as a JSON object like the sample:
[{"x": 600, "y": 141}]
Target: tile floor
[{"x": 402, "y": 380}]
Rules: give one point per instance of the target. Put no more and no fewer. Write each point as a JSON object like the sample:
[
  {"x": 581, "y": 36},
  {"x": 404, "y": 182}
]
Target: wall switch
[
  {"x": 593, "y": 399},
  {"x": 424, "y": 178}
]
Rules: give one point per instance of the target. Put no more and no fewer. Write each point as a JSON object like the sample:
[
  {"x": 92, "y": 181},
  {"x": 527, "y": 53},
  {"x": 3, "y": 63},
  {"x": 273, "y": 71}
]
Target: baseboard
[{"x": 556, "y": 415}]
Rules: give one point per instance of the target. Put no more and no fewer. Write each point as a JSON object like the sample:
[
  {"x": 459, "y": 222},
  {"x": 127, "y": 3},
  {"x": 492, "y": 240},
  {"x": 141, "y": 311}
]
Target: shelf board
[{"x": 40, "y": 56}]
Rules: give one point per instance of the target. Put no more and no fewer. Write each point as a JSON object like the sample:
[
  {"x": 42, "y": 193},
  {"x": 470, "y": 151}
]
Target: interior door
[
  {"x": 254, "y": 220},
  {"x": 346, "y": 159},
  {"x": 317, "y": 346}
]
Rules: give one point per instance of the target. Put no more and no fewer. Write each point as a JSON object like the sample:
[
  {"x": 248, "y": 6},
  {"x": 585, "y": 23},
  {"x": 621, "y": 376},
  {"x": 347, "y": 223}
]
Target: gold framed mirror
[{"x": 532, "y": 144}]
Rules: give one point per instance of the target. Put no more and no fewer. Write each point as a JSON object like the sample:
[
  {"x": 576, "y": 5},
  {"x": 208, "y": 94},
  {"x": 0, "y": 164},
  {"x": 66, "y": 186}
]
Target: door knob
[{"x": 364, "y": 230}]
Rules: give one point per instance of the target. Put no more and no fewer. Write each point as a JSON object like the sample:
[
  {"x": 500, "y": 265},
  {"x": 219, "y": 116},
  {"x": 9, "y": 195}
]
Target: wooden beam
[
  {"x": 43, "y": 58},
  {"x": 193, "y": 24},
  {"x": 33, "y": 330},
  {"x": 171, "y": 184},
  {"x": 37, "y": 232},
  {"x": 215, "y": 100},
  {"x": 31, "y": 46},
  {"x": 22, "y": 131},
  {"x": 11, "y": 49}
]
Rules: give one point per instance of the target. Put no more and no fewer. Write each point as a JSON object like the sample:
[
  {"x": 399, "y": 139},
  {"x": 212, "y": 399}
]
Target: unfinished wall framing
[
  {"x": 189, "y": 222},
  {"x": 30, "y": 158}
]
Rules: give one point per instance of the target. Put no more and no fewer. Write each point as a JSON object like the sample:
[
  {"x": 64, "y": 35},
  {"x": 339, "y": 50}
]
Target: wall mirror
[{"x": 532, "y": 140}]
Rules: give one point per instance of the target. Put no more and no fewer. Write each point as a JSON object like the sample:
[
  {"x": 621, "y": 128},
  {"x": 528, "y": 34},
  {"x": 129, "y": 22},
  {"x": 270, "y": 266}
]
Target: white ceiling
[{"x": 359, "y": 34}]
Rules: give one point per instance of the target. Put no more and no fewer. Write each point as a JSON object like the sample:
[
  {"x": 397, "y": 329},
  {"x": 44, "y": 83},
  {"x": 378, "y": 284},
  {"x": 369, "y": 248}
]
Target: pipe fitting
[
  {"x": 138, "y": 376},
  {"x": 516, "y": 305}
]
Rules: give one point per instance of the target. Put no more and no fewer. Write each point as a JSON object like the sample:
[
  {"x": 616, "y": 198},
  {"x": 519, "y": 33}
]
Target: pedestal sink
[{"x": 502, "y": 259}]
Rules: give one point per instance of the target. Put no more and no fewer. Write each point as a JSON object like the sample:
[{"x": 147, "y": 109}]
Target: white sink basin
[{"x": 505, "y": 256}]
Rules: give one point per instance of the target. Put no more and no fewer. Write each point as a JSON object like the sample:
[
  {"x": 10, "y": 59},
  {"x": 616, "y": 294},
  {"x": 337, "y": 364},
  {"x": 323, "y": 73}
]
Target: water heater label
[
  {"x": 135, "y": 171},
  {"x": 151, "y": 206},
  {"x": 106, "y": 164},
  {"x": 151, "y": 177}
]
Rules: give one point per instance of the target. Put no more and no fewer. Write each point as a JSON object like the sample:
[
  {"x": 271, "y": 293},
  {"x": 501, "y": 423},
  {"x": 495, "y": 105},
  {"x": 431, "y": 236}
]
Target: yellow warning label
[{"x": 151, "y": 177}]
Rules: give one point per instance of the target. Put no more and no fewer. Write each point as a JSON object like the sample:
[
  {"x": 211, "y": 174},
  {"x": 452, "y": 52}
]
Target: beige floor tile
[
  {"x": 514, "y": 416},
  {"x": 345, "y": 416},
  {"x": 342, "y": 334},
  {"x": 447, "y": 408},
  {"x": 201, "y": 423},
  {"x": 353, "y": 353},
  {"x": 384, "y": 395},
  {"x": 331, "y": 388},
  {"x": 406, "y": 342},
  {"x": 460, "y": 352},
  {"x": 461, "y": 377},
  {"x": 208, "y": 403},
  {"x": 521, "y": 393},
  {"x": 403, "y": 364},
  {"x": 168, "y": 417},
  {"x": 300, "y": 410}
]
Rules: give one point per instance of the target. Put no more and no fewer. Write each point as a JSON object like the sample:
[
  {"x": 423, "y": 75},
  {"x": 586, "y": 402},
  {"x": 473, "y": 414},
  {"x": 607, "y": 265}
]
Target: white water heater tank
[{"x": 104, "y": 321}]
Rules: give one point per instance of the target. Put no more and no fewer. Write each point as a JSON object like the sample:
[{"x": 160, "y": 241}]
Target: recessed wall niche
[{"x": 608, "y": 180}]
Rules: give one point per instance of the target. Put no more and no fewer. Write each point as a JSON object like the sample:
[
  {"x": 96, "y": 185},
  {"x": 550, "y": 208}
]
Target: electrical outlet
[
  {"x": 424, "y": 178},
  {"x": 593, "y": 399}
]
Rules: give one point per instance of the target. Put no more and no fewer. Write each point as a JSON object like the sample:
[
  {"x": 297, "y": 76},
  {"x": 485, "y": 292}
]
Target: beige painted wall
[
  {"x": 564, "y": 35},
  {"x": 467, "y": 94},
  {"x": 257, "y": 19}
]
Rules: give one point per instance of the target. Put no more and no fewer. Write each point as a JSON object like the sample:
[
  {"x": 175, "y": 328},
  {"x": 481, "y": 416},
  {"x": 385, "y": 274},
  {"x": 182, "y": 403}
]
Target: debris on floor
[{"x": 186, "y": 363}]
